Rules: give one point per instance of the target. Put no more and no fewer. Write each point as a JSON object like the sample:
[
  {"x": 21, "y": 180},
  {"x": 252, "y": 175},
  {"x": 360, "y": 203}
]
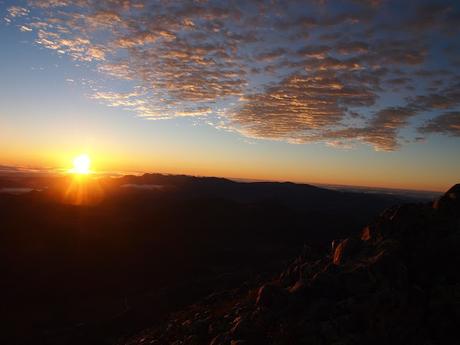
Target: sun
[{"x": 81, "y": 164}]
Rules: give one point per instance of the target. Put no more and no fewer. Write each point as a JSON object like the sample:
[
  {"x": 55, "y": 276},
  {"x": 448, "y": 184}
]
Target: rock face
[
  {"x": 449, "y": 202},
  {"x": 395, "y": 283}
]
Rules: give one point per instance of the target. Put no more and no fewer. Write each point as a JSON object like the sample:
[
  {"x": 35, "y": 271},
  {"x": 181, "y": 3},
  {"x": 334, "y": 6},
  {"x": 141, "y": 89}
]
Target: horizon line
[{"x": 18, "y": 169}]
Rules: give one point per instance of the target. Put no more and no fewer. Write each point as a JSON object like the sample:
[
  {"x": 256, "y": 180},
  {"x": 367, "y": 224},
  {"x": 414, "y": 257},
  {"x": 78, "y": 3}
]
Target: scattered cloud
[
  {"x": 17, "y": 11},
  {"x": 356, "y": 73},
  {"x": 24, "y": 28},
  {"x": 446, "y": 123}
]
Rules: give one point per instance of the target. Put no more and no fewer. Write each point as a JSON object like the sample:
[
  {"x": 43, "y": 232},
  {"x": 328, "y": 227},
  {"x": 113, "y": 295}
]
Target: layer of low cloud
[{"x": 340, "y": 72}]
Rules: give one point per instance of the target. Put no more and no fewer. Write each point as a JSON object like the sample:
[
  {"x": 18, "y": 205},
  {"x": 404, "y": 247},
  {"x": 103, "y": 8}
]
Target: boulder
[
  {"x": 241, "y": 326},
  {"x": 345, "y": 250},
  {"x": 271, "y": 295}
]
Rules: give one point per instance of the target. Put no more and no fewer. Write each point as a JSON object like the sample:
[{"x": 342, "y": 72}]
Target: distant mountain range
[{"x": 10, "y": 178}]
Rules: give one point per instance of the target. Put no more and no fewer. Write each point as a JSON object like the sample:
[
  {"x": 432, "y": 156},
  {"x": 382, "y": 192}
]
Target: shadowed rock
[
  {"x": 397, "y": 283},
  {"x": 450, "y": 201}
]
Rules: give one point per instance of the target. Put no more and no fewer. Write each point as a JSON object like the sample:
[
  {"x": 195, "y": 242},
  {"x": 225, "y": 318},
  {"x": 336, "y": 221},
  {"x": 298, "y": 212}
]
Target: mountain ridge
[{"x": 394, "y": 282}]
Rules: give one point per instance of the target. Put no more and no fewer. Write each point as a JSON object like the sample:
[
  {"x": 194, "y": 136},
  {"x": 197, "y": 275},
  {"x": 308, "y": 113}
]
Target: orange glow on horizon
[{"x": 122, "y": 162}]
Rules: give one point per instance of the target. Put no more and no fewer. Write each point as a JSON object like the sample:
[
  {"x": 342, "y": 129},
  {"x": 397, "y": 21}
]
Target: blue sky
[{"x": 348, "y": 92}]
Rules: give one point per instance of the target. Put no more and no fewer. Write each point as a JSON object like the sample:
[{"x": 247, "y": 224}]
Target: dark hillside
[
  {"x": 95, "y": 273},
  {"x": 397, "y": 282}
]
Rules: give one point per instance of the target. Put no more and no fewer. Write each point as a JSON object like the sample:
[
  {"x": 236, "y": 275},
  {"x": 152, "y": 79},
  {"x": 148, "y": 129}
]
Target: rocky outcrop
[{"x": 397, "y": 282}]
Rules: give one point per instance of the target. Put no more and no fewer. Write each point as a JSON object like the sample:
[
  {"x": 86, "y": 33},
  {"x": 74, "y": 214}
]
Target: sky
[{"x": 353, "y": 92}]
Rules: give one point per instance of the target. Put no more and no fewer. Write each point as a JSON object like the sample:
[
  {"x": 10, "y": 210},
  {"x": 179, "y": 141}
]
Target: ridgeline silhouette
[{"x": 156, "y": 244}]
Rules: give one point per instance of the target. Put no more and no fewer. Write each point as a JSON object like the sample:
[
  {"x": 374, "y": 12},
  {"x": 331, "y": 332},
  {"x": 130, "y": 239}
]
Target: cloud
[
  {"x": 17, "y": 11},
  {"x": 317, "y": 52},
  {"x": 446, "y": 123},
  {"x": 271, "y": 55},
  {"x": 428, "y": 15},
  {"x": 300, "y": 107},
  {"x": 355, "y": 73},
  {"x": 9, "y": 171},
  {"x": 24, "y": 28}
]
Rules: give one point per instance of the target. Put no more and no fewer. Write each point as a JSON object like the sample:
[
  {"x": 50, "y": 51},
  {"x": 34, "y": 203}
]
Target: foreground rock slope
[{"x": 397, "y": 282}]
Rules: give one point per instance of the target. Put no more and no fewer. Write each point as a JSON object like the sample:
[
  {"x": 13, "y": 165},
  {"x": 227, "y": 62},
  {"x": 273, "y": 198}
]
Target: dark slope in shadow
[
  {"x": 396, "y": 282},
  {"x": 95, "y": 273}
]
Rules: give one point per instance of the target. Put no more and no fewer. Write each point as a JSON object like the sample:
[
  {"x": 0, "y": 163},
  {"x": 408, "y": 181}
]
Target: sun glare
[{"x": 81, "y": 164}]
